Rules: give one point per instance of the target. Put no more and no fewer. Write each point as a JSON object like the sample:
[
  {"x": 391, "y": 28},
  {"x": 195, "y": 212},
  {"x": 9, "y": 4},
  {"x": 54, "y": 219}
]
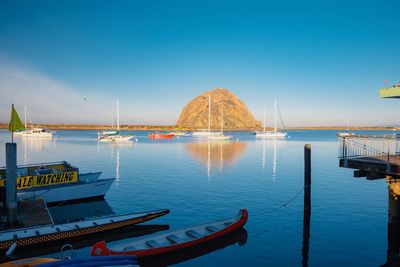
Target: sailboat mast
[
  {"x": 209, "y": 113},
  {"x": 25, "y": 116},
  {"x": 264, "y": 120},
  {"x": 275, "y": 117},
  {"x": 222, "y": 121},
  {"x": 117, "y": 115}
]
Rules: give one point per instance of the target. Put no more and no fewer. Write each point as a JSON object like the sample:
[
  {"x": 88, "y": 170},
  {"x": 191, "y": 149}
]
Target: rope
[{"x": 278, "y": 208}]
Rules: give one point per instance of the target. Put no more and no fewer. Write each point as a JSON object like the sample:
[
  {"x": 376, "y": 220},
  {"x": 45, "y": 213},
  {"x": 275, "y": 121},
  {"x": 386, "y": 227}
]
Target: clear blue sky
[{"x": 323, "y": 60}]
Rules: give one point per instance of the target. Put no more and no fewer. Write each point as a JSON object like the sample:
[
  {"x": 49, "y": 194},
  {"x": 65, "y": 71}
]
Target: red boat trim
[{"x": 100, "y": 248}]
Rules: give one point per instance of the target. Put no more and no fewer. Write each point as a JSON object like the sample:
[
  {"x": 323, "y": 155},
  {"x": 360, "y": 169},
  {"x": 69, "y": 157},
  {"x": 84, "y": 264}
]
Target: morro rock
[{"x": 223, "y": 103}]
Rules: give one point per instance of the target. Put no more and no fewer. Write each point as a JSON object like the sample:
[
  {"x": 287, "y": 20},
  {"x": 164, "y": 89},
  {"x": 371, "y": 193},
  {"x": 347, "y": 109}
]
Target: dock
[
  {"x": 33, "y": 212},
  {"x": 371, "y": 156}
]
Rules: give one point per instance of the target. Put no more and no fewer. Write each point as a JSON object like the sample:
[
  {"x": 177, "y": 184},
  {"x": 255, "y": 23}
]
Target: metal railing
[{"x": 371, "y": 146}]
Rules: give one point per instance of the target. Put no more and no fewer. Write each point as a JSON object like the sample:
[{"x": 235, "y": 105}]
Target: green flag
[{"x": 15, "y": 122}]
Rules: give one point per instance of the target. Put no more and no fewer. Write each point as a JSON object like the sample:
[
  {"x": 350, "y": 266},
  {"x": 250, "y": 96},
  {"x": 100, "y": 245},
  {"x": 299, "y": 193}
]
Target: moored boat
[
  {"x": 272, "y": 134},
  {"x": 24, "y": 237},
  {"x": 84, "y": 261},
  {"x": 57, "y": 182},
  {"x": 174, "y": 241},
  {"x": 156, "y": 135},
  {"x": 114, "y": 135},
  {"x": 37, "y": 132}
]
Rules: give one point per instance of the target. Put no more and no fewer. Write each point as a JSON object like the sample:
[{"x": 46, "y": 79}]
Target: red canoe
[
  {"x": 174, "y": 241},
  {"x": 161, "y": 136}
]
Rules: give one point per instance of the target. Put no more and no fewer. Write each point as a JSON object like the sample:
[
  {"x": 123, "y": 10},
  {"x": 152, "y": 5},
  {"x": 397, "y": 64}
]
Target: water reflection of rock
[{"x": 216, "y": 154}]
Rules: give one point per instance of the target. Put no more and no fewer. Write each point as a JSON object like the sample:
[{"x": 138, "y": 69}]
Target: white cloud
[{"x": 48, "y": 100}]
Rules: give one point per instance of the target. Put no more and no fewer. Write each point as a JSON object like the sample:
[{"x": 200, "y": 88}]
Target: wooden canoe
[
  {"x": 174, "y": 241},
  {"x": 58, "y": 232}
]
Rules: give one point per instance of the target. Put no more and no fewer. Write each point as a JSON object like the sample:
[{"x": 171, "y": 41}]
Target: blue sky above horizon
[{"x": 323, "y": 60}]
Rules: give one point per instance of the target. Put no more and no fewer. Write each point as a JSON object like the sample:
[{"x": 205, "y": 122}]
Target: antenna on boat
[
  {"x": 209, "y": 113},
  {"x": 117, "y": 115}
]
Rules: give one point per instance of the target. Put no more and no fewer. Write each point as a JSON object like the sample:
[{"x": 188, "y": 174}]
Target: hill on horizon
[{"x": 223, "y": 104}]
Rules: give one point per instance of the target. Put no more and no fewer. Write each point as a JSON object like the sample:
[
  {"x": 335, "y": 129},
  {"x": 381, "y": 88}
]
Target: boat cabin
[{"x": 44, "y": 174}]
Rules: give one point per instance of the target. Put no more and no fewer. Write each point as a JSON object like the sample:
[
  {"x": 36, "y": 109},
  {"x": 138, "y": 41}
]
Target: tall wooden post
[
  {"x": 11, "y": 183},
  {"x": 393, "y": 234},
  {"x": 307, "y": 204}
]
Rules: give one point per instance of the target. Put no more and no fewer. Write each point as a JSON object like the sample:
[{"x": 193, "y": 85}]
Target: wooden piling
[
  {"x": 307, "y": 204},
  {"x": 11, "y": 185}
]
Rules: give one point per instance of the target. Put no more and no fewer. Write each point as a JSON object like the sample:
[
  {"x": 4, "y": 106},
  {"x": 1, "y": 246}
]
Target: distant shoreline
[{"x": 178, "y": 128}]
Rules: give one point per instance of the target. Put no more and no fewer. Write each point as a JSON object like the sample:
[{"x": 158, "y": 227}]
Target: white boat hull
[
  {"x": 38, "y": 135},
  {"x": 116, "y": 138},
  {"x": 205, "y": 134},
  {"x": 220, "y": 137},
  {"x": 70, "y": 192},
  {"x": 271, "y": 135}
]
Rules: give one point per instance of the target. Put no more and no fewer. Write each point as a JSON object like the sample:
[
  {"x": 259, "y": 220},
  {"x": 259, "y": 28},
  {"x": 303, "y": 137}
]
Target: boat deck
[{"x": 31, "y": 213}]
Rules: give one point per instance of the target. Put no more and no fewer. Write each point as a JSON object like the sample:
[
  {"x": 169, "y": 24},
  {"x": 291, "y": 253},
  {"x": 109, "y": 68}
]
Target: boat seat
[
  {"x": 152, "y": 244},
  {"x": 212, "y": 229},
  {"x": 174, "y": 239},
  {"x": 194, "y": 234},
  {"x": 129, "y": 248}
]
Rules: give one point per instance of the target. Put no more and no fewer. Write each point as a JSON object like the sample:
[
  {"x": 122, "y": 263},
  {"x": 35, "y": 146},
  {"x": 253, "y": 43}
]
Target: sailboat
[
  {"x": 205, "y": 132},
  {"x": 220, "y": 135},
  {"x": 345, "y": 133},
  {"x": 110, "y": 131},
  {"x": 34, "y": 132},
  {"x": 116, "y": 137},
  {"x": 274, "y": 133}
]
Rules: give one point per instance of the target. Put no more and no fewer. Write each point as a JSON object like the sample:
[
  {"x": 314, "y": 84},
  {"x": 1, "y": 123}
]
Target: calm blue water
[{"x": 200, "y": 182}]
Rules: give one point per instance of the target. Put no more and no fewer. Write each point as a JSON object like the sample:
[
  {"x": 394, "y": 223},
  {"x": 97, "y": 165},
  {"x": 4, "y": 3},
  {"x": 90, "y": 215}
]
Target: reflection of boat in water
[
  {"x": 80, "y": 211},
  {"x": 57, "y": 182},
  {"x": 176, "y": 240},
  {"x": 239, "y": 237},
  {"x": 216, "y": 152}
]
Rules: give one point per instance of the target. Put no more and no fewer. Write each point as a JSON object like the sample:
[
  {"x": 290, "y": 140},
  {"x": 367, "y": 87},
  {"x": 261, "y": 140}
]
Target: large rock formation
[{"x": 235, "y": 113}]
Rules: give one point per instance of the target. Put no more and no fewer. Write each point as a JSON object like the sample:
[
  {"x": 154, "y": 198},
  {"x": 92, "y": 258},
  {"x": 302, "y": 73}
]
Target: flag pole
[{"x": 12, "y": 123}]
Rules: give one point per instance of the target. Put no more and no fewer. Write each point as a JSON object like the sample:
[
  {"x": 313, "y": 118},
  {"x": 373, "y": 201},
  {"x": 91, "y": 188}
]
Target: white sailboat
[
  {"x": 116, "y": 137},
  {"x": 345, "y": 133},
  {"x": 274, "y": 133},
  {"x": 111, "y": 131},
  {"x": 34, "y": 132},
  {"x": 220, "y": 135},
  {"x": 205, "y": 132}
]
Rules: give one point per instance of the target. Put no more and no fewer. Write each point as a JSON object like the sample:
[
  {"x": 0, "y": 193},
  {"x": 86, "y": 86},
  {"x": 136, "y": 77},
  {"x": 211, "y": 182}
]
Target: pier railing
[{"x": 370, "y": 146}]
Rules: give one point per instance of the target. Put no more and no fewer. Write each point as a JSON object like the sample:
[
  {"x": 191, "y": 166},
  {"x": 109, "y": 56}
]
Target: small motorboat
[
  {"x": 40, "y": 235},
  {"x": 174, "y": 241},
  {"x": 161, "y": 135}
]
